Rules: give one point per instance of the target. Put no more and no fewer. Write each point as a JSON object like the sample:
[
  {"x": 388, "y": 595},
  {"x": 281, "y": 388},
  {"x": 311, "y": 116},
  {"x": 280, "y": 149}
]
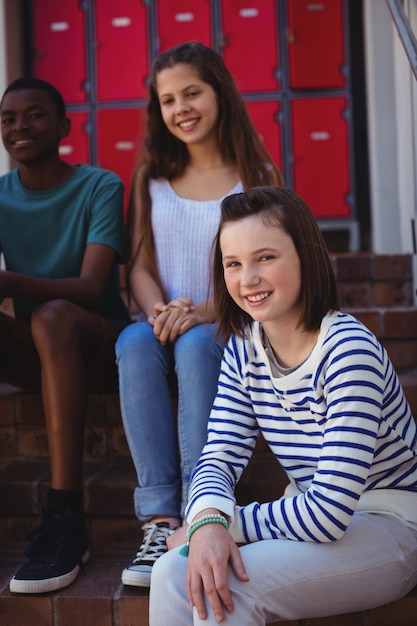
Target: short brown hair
[{"x": 279, "y": 208}]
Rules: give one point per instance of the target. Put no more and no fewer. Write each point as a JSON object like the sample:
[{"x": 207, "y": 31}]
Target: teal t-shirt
[{"x": 45, "y": 233}]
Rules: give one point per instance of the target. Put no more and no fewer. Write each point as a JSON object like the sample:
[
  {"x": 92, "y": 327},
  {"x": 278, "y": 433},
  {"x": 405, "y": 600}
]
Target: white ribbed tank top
[{"x": 184, "y": 231}]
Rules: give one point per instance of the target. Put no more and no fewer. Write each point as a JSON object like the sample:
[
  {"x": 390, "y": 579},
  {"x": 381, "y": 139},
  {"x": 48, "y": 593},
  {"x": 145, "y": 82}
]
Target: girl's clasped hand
[{"x": 174, "y": 318}]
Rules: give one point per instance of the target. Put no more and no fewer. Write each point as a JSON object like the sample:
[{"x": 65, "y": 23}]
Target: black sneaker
[
  {"x": 57, "y": 553},
  {"x": 154, "y": 545}
]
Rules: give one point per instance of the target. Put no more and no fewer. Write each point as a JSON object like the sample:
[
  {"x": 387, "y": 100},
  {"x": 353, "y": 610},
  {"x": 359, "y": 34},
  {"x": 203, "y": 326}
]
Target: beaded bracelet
[
  {"x": 202, "y": 521},
  {"x": 207, "y": 516}
]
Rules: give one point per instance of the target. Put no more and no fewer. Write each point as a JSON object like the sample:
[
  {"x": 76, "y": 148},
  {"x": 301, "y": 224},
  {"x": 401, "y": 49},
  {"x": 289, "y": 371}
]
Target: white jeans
[{"x": 374, "y": 563}]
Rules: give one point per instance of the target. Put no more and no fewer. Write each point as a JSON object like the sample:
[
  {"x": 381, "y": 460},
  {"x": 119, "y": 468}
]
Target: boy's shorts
[{"x": 20, "y": 365}]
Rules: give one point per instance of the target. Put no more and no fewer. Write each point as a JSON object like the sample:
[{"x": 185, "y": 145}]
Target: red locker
[
  {"x": 250, "y": 43},
  {"x": 183, "y": 20},
  {"x": 59, "y": 40},
  {"x": 75, "y": 147},
  {"x": 119, "y": 133},
  {"x": 315, "y": 44},
  {"x": 122, "y": 49},
  {"x": 321, "y": 153},
  {"x": 264, "y": 117}
]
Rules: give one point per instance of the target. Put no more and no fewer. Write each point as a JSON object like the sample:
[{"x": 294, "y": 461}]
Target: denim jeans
[
  {"x": 165, "y": 445},
  {"x": 375, "y": 562}
]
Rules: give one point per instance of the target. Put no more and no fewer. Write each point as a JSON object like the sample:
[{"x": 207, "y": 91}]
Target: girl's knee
[
  {"x": 168, "y": 569},
  {"x": 199, "y": 341},
  {"x": 135, "y": 337}
]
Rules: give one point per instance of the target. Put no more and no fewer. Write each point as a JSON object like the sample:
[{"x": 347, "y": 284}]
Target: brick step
[
  {"x": 98, "y": 597},
  {"x": 108, "y": 503},
  {"x": 396, "y": 329},
  {"x": 23, "y": 433},
  {"x": 367, "y": 280},
  {"x": 108, "y": 497}
]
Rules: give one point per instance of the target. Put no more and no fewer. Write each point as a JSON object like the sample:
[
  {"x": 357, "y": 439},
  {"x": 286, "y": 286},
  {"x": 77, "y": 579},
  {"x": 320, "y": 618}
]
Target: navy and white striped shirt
[{"x": 339, "y": 425}]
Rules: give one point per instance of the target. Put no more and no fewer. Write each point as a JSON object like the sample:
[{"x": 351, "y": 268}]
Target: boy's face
[{"x": 30, "y": 127}]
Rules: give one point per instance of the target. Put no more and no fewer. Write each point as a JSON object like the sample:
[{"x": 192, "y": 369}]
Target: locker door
[
  {"x": 183, "y": 20},
  {"x": 119, "y": 133},
  {"x": 60, "y": 56},
  {"x": 320, "y": 151},
  {"x": 122, "y": 49},
  {"x": 75, "y": 147},
  {"x": 315, "y": 44},
  {"x": 264, "y": 117},
  {"x": 250, "y": 43}
]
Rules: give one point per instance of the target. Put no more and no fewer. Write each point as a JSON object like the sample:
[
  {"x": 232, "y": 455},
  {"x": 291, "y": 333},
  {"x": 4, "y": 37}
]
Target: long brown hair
[{"x": 165, "y": 156}]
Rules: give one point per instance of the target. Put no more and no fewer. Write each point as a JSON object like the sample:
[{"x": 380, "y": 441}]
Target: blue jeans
[{"x": 165, "y": 446}]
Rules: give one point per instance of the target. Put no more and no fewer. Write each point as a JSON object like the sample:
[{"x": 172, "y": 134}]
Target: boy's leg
[
  {"x": 69, "y": 340},
  {"x": 19, "y": 361}
]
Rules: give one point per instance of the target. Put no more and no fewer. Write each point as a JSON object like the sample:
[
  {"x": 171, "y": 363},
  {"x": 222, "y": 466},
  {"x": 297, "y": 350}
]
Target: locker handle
[
  {"x": 315, "y": 6},
  {"x": 320, "y": 135},
  {"x": 58, "y": 27},
  {"x": 121, "y": 22},
  {"x": 250, "y": 12},
  {"x": 290, "y": 35},
  {"x": 66, "y": 150},
  {"x": 124, "y": 145},
  {"x": 184, "y": 17}
]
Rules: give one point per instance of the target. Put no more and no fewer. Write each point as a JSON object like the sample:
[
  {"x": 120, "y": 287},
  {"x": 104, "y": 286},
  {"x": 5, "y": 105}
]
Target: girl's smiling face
[
  {"x": 189, "y": 106},
  {"x": 262, "y": 271}
]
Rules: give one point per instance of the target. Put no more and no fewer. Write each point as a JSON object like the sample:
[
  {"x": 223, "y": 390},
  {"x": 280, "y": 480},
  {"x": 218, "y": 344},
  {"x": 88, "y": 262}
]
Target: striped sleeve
[{"x": 339, "y": 432}]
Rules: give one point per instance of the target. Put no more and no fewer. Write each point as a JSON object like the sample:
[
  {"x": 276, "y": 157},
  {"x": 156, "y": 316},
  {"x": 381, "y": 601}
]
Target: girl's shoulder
[
  {"x": 158, "y": 183},
  {"x": 160, "y": 187},
  {"x": 163, "y": 187},
  {"x": 343, "y": 333}
]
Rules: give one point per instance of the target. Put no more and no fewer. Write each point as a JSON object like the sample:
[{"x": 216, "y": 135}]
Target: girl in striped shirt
[{"x": 322, "y": 391}]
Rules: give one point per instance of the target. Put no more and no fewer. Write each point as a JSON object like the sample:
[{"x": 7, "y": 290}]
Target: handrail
[{"x": 405, "y": 32}]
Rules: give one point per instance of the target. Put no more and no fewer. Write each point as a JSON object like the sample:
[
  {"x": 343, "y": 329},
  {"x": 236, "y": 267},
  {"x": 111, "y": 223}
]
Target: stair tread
[{"x": 97, "y": 596}]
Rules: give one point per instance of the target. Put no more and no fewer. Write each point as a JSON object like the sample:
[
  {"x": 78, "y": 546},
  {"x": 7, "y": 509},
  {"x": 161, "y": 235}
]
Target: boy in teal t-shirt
[{"x": 61, "y": 234}]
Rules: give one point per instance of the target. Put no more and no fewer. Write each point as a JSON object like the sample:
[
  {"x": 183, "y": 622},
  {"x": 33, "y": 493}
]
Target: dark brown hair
[
  {"x": 166, "y": 156},
  {"x": 37, "y": 83},
  {"x": 279, "y": 208}
]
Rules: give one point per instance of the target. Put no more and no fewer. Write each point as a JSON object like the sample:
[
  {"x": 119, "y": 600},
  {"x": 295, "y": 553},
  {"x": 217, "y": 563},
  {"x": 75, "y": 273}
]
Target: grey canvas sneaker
[{"x": 138, "y": 573}]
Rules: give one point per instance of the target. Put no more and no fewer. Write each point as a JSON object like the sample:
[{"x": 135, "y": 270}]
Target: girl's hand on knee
[{"x": 211, "y": 551}]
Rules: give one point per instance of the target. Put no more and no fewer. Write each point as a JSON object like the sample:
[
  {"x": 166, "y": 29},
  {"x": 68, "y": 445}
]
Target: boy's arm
[{"x": 84, "y": 290}]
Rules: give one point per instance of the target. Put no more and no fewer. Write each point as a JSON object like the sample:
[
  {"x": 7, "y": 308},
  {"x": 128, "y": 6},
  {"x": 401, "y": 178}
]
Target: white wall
[
  {"x": 392, "y": 107},
  {"x": 406, "y": 99},
  {"x": 4, "y": 160}
]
